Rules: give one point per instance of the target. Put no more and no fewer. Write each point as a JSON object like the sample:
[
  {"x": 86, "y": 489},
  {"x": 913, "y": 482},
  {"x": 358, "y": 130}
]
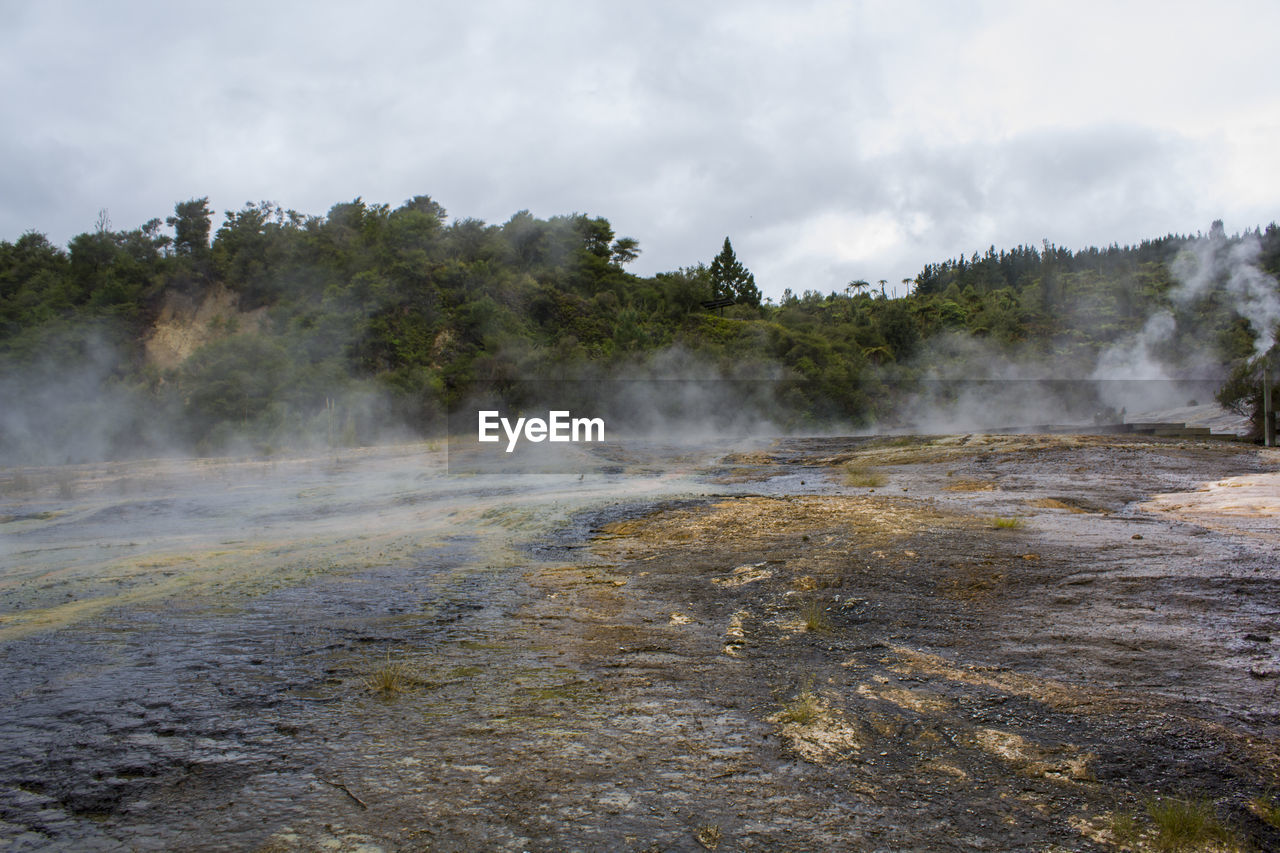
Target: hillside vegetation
[{"x": 279, "y": 325}]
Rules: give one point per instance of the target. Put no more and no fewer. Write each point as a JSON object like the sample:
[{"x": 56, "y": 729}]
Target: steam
[
  {"x": 1161, "y": 367},
  {"x": 958, "y": 382},
  {"x": 74, "y": 406},
  {"x": 83, "y": 398},
  {"x": 970, "y": 384},
  {"x": 1213, "y": 264},
  {"x": 84, "y": 401},
  {"x": 1169, "y": 356},
  {"x": 673, "y": 398}
]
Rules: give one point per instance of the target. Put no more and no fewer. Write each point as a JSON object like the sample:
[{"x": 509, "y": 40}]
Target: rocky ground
[{"x": 970, "y": 642}]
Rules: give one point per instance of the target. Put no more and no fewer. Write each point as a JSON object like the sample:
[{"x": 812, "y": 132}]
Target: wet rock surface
[{"x": 732, "y": 660}]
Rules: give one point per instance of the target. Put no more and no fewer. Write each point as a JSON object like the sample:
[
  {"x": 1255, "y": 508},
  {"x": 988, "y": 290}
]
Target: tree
[
  {"x": 625, "y": 250},
  {"x": 190, "y": 224},
  {"x": 731, "y": 278},
  {"x": 596, "y": 234}
]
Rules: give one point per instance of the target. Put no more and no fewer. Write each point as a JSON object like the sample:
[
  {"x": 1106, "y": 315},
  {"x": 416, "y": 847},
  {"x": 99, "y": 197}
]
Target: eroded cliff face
[{"x": 186, "y": 323}]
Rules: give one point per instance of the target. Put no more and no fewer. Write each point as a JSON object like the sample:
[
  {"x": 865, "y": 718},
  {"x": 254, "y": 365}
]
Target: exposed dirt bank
[
  {"x": 961, "y": 643},
  {"x": 184, "y": 325}
]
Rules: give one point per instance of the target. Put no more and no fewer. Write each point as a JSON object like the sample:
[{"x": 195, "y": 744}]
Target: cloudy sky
[{"x": 829, "y": 140}]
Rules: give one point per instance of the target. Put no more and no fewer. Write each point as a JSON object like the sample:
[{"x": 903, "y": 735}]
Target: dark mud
[{"x": 757, "y": 656}]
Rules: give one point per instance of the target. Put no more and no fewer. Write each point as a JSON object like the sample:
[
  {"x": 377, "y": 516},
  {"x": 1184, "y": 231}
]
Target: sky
[{"x": 830, "y": 141}]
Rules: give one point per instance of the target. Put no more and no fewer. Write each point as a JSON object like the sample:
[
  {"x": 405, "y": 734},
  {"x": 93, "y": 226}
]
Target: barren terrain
[{"x": 969, "y": 642}]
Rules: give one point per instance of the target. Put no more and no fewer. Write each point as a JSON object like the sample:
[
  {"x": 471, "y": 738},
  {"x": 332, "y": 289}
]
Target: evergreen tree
[
  {"x": 191, "y": 226},
  {"x": 731, "y": 278}
]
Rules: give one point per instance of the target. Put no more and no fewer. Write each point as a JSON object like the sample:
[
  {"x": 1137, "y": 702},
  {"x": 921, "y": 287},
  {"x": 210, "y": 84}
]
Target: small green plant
[
  {"x": 1186, "y": 824},
  {"x": 803, "y": 708},
  {"x": 392, "y": 677},
  {"x": 857, "y": 474},
  {"x": 1010, "y": 523},
  {"x": 815, "y": 616}
]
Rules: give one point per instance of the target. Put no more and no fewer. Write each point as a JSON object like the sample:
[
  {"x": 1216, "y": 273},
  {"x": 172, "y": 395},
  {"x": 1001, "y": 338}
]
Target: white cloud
[{"x": 831, "y": 140}]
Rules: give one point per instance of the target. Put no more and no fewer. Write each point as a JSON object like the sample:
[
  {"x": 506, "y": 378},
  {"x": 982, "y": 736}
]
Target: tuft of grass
[
  {"x": 708, "y": 835},
  {"x": 390, "y": 678},
  {"x": 803, "y": 708},
  {"x": 1010, "y": 523},
  {"x": 815, "y": 616},
  {"x": 1186, "y": 824},
  {"x": 857, "y": 474}
]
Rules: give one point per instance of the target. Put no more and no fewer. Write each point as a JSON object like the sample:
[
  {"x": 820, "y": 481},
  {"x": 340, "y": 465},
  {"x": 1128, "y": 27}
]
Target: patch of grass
[
  {"x": 390, "y": 678},
  {"x": 815, "y": 616},
  {"x": 1174, "y": 825},
  {"x": 1009, "y": 523},
  {"x": 1126, "y": 830},
  {"x": 863, "y": 476},
  {"x": 1266, "y": 807},
  {"x": 1186, "y": 824},
  {"x": 803, "y": 708}
]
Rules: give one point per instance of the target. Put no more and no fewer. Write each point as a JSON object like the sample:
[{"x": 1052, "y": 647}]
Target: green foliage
[
  {"x": 1187, "y": 825},
  {"x": 1267, "y": 807},
  {"x": 191, "y": 223},
  {"x": 625, "y": 250},
  {"x": 402, "y": 303},
  {"x": 730, "y": 278},
  {"x": 234, "y": 379}
]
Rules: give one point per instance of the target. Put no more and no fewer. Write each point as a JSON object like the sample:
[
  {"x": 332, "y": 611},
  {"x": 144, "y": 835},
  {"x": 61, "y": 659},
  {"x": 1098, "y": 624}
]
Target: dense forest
[{"x": 371, "y": 316}]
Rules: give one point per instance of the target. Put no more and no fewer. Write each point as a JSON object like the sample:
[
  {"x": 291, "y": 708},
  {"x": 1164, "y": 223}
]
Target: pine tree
[{"x": 731, "y": 278}]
